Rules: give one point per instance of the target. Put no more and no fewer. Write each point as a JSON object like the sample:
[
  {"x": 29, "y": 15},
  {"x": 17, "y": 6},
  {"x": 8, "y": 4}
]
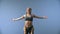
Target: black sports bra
[{"x": 29, "y": 18}]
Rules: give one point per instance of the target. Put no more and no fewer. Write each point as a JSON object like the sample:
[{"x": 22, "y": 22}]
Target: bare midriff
[{"x": 28, "y": 23}]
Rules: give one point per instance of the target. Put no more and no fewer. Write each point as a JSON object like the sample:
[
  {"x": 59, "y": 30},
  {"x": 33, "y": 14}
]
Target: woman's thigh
[
  {"x": 25, "y": 32},
  {"x": 32, "y": 31}
]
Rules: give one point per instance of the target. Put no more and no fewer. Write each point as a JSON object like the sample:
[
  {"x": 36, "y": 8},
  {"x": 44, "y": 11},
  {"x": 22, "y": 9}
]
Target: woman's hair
[{"x": 29, "y": 10}]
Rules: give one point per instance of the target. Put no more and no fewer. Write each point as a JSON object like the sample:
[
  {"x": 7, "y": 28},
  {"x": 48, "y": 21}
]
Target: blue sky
[{"x": 16, "y": 8}]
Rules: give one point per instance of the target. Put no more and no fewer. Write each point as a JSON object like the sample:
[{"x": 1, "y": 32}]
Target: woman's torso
[{"x": 28, "y": 20}]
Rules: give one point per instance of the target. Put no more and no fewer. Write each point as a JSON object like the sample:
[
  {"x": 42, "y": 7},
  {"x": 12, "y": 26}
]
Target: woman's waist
[
  {"x": 28, "y": 21},
  {"x": 28, "y": 25}
]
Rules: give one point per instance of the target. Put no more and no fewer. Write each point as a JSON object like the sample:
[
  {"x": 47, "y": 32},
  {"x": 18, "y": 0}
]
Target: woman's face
[{"x": 28, "y": 10}]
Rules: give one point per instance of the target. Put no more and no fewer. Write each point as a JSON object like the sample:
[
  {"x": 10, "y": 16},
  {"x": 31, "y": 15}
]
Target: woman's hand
[
  {"x": 45, "y": 17},
  {"x": 13, "y": 19}
]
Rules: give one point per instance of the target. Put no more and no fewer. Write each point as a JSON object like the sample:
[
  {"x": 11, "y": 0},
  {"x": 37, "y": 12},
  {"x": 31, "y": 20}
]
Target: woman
[{"x": 28, "y": 27}]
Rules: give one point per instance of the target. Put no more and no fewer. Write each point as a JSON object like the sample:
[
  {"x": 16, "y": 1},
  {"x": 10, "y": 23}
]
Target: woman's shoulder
[
  {"x": 25, "y": 14},
  {"x": 32, "y": 14}
]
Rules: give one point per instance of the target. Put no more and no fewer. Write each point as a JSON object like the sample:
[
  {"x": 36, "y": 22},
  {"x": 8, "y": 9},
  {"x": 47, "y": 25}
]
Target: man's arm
[
  {"x": 22, "y": 17},
  {"x": 40, "y": 17}
]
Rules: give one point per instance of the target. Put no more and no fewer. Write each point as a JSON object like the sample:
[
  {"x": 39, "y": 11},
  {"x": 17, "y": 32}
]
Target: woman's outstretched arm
[
  {"x": 40, "y": 17},
  {"x": 22, "y": 17}
]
